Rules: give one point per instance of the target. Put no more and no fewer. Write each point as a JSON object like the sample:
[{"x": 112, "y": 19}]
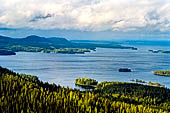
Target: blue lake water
[{"x": 101, "y": 65}]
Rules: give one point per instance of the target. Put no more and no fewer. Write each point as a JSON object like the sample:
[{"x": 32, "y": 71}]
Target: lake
[{"x": 102, "y": 65}]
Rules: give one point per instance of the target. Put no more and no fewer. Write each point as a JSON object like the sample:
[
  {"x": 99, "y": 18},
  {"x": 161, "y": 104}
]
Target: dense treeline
[
  {"x": 22, "y": 93},
  {"x": 162, "y": 73},
  {"x": 86, "y": 81},
  {"x": 67, "y": 50},
  {"x": 137, "y": 94},
  {"x": 19, "y": 48}
]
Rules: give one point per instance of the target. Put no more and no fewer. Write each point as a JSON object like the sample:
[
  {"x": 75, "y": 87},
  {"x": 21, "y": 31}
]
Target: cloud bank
[{"x": 87, "y": 15}]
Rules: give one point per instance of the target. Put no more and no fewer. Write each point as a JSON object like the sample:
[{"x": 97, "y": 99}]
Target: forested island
[
  {"x": 5, "y": 52},
  {"x": 86, "y": 82},
  {"x": 35, "y": 43},
  {"x": 26, "y": 93},
  {"x": 162, "y": 73}
]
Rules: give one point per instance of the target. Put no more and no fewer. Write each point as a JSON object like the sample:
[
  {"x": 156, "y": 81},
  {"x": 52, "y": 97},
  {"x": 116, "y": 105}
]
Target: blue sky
[{"x": 86, "y": 19}]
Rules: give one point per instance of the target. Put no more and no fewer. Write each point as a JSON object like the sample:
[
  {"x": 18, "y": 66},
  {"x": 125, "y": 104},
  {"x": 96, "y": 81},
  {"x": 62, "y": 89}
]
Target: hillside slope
[{"x": 25, "y": 93}]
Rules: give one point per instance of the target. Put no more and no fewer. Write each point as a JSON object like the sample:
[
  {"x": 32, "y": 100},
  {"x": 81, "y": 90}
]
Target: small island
[
  {"x": 125, "y": 70},
  {"x": 162, "y": 73},
  {"x": 5, "y": 52},
  {"x": 86, "y": 83},
  {"x": 158, "y": 51}
]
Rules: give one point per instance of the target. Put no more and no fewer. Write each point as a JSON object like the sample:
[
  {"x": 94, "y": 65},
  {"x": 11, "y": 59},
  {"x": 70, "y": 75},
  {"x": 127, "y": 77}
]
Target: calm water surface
[{"x": 101, "y": 65}]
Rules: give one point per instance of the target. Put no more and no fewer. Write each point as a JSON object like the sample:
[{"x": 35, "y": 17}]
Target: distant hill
[{"x": 35, "y": 41}]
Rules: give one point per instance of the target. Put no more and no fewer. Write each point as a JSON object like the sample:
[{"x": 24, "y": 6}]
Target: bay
[{"x": 102, "y": 65}]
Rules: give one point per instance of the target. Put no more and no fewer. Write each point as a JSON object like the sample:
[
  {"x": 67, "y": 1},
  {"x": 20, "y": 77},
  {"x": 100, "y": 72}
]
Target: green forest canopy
[{"x": 25, "y": 93}]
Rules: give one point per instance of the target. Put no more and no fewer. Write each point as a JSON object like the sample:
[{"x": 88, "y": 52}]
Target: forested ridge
[
  {"x": 25, "y": 93},
  {"x": 35, "y": 43}
]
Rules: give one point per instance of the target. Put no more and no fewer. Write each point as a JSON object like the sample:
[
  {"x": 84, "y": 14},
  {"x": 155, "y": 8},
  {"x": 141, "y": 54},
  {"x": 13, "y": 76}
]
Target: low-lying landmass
[
  {"x": 102, "y": 44},
  {"x": 35, "y": 43},
  {"x": 158, "y": 51},
  {"x": 67, "y": 50},
  {"x": 138, "y": 81},
  {"x": 49, "y": 50},
  {"x": 5, "y": 52},
  {"x": 88, "y": 83},
  {"x": 162, "y": 73},
  {"x": 148, "y": 83},
  {"x": 25, "y": 93},
  {"x": 155, "y": 84}
]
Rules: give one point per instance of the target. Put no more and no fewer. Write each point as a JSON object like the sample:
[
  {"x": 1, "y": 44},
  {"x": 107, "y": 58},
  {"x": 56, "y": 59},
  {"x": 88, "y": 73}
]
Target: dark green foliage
[
  {"x": 22, "y": 93},
  {"x": 137, "y": 94}
]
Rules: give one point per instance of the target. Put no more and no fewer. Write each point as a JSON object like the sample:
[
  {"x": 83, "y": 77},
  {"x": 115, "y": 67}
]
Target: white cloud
[{"x": 89, "y": 15}]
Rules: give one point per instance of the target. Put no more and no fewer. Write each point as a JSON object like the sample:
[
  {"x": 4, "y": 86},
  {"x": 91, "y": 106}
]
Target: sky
[{"x": 86, "y": 19}]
